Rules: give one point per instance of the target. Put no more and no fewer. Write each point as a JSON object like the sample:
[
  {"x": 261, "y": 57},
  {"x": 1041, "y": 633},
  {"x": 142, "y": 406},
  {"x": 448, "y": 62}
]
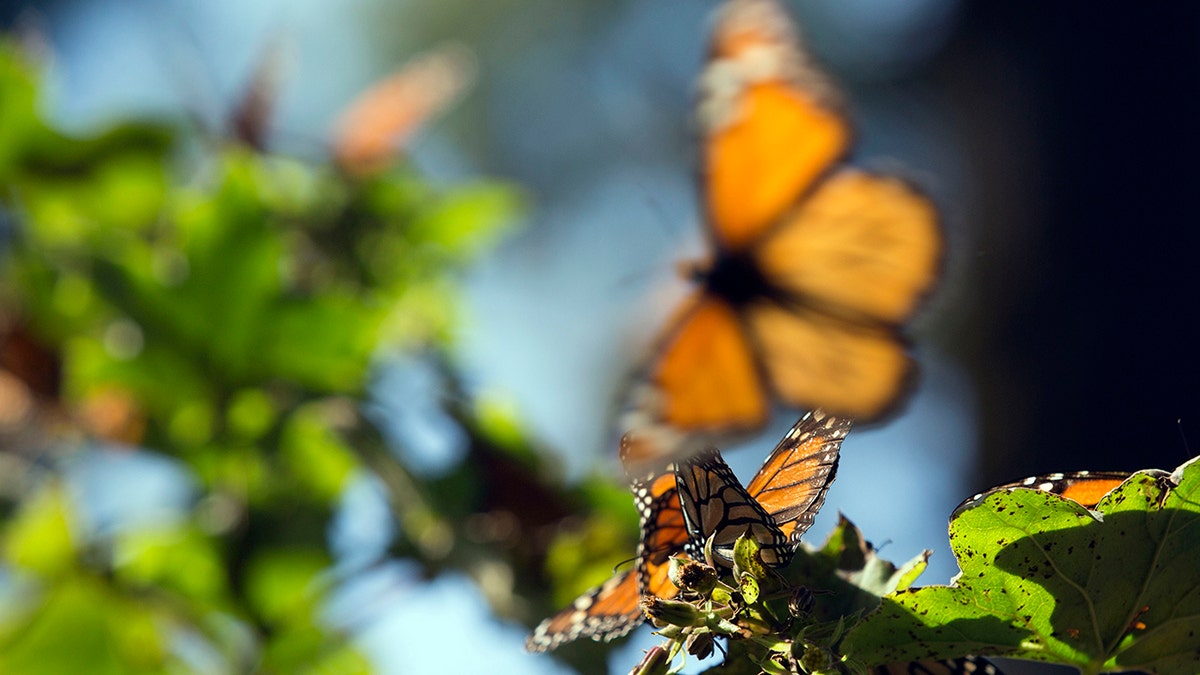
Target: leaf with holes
[
  {"x": 848, "y": 567},
  {"x": 1044, "y": 578}
]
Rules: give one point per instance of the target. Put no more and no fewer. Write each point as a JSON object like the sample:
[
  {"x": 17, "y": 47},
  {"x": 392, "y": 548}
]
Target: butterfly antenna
[
  {"x": 190, "y": 75},
  {"x": 617, "y": 568},
  {"x": 666, "y": 226},
  {"x": 664, "y": 221},
  {"x": 1187, "y": 448}
]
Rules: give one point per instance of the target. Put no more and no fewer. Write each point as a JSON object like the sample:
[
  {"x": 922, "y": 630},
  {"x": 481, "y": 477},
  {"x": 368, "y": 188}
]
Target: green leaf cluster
[
  {"x": 228, "y": 309},
  {"x": 1044, "y": 578}
]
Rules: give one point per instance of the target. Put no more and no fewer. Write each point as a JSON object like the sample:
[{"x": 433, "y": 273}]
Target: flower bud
[
  {"x": 814, "y": 659},
  {"x": 656, "y": 662},
  {"x": 690, "y": 575},
  {"x": 670, "y": 612}
]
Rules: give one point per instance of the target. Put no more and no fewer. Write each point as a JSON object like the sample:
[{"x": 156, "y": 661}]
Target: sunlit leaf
[
  {"x": 324, "y": 343},
  {"x": 179, "y": 559},
  {"x": 581, "y": 558},
  {"x": 314, "y": 454},
  {"x": 1046, "y": 579},
  {"x": 83, "y": 627},
  {"x": 470, "y": 220},
  {"x": 18, "y": 119},
  {"x": 39, "y": 538},
  {"x": 251, "y": 413}
]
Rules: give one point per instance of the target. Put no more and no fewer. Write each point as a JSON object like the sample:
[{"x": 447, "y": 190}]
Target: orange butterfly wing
[
  {"x": 664, "y": 534},
  {"x": 708, "y": 375},
  {"x": 771, "y": 123},
  {"x": 871, "y": 248},
  {"x": 814, "y": 270},
  {"x": 718, "y": 510},
  {"x": 818, "y": 360},
  {"x": 1090, "y": 492},
  {"x": 612, "y": 609},
  {"x": 861, "y": 246},
  {"x": 368, "y": 133},
  {"x": 1085, "y": 487},
  {"x": 793, "y": 480},
  {"x": 602, "y": 614}
]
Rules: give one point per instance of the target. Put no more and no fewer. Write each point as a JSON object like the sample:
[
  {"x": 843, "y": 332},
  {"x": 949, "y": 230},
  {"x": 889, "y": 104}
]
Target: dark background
[{"x": 1088, "y": 330}]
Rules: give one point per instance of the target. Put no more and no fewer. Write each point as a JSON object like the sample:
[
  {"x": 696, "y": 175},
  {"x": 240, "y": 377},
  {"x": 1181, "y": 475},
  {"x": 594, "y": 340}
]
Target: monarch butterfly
[
  {"x": 248, "y": 121},
  {"x": 814, "y": 267},
  {"x": 611, "y": 609},
  {"x": 779, "y": 504},
  {"x": 789, "y": 487},
  {"x": 367, "y": 133},
  {"x": 966, "y": 665},
  {"x": 1085, "y": 487}
]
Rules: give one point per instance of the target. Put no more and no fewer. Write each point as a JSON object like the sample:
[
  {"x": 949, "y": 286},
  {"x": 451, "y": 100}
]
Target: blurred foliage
[{"x": 229, "y": 308}]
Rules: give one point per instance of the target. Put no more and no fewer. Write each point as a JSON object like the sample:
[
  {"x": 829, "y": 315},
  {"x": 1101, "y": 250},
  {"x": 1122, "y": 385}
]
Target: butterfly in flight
[
  {"x": 789, "y": 488},
  {"x": 369, "y": 132},
  {"x": 814, "y": 267}
]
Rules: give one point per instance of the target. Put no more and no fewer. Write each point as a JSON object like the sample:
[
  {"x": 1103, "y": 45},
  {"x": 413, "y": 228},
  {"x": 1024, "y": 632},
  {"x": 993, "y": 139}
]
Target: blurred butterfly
[
  {"x": 367, "y": 135},
  {"x": 778, "y": 505},
  {"x": 251, "y": 115},
  {"x": 789, "y": 488},
  {"x": 1085, "y": 487},
  {"x": 967, "y": 665},
  {"x": 814, "y": 267}
]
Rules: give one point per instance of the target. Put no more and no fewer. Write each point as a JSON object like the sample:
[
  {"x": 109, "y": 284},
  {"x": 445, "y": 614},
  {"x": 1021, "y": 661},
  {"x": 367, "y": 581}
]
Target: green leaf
[
  {"x": 284, "y": 585},
  {"x": 469, "y": 220},
  {"x": 18, "y": 108},
  {"x": 39, "y": 538},
  {"x": 322, "y": 342},
  {"x": 251, "y": 413},
  {"x": 178, "y": 559},
  {"x": 747, "y": 563},
  {"x": 1046, "y": 579},
  {"x": 909, "y": 571},
  {"x": 748, "y": 586},
  {"x": 580, "y": 558},
  {"x": 309, "y": 650},
  {"x": 847, "y": 565},
  {"x": 314, "y": 454},
  {"x": 84, "y": 627}
]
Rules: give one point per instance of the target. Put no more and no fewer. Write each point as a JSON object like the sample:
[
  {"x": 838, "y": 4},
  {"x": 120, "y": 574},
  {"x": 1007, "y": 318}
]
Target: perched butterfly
[
  {"x": 778, "y": 505},
  {"x": 368, "y": 133},
  {"x": 789, "y": 487},
  {"x": 967, "y": 665},
  {"x": 814, "y": 267},
  {"x": 1085, "y": 487},
  {"x": 611, "y": 609}
]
